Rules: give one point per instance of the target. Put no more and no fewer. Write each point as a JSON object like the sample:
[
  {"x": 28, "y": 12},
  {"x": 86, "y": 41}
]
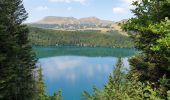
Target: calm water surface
[{"x": 74, "y": 70}]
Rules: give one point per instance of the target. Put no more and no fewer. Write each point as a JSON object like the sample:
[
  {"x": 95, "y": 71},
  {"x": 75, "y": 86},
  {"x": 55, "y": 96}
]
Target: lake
[{"x": 77, "y": 69}]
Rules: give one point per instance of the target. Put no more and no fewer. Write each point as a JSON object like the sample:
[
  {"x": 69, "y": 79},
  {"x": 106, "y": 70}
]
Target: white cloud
[
  {"x": 70, "y": 68},
  {"x": 119, "y": 10},
  {"x": 42, "y": 8},
  {"x": 69, "y": 8},
  {"x": 130, "y": 1},
  {"x": 69, "y": 1},
  {"x": 125, "y": 7}
]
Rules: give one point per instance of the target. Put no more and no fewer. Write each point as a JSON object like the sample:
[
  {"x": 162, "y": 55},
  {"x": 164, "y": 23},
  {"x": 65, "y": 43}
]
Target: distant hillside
[
  {"x": 57, "y": 20},
  {"x": 117, "y": 27},
  {"x": 88, "y": 38},
  {"x": 122, "y": 21},
  {"x": 71, "y": 23},
  {"x": 72, "y": 20}
]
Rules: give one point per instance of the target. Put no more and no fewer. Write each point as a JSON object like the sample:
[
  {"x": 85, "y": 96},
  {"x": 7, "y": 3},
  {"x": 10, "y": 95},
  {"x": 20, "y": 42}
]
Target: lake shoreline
[
  {"x": 75, "y": 46},
  {"x": 51, "y": 51}
]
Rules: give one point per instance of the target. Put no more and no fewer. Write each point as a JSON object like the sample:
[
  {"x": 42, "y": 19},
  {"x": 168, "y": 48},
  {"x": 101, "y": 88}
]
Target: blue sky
[{"x": 114, "y": 10}]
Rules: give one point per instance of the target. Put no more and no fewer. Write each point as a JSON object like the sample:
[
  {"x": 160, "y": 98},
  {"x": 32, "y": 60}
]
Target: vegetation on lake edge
[
  {"x": 149, "y": 74},
  {"x": 47, "y": 37},
  {"x": 41, "y": 88},
  {"x": 121, "y": 87}
]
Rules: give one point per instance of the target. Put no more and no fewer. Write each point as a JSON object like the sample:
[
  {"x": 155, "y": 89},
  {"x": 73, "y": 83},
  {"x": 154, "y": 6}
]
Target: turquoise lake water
[{"x": 75, "y": 69}]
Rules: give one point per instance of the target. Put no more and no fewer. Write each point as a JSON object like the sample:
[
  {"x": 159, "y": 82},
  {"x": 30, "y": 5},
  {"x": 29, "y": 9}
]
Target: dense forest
[
  {"x": 20, "y": 79},
  {"x": 17, "y": 62},
  {"x": 47, "y": 37}
]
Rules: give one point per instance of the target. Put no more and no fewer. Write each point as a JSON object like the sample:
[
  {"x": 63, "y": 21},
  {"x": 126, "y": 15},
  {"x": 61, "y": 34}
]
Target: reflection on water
[
  {"x": 74, "y": 74},
  {"x": 42, "y": 52}
]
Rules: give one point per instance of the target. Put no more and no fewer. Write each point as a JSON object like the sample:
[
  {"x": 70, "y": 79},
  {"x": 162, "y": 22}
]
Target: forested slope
[{"x": 46, "y": 37}]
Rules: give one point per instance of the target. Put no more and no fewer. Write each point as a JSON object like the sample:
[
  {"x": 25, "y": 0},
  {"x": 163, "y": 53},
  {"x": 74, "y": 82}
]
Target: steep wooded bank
[{"x": 91, "y": 38}]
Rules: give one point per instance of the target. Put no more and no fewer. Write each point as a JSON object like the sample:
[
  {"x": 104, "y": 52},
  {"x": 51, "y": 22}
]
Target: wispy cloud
[
  {"x": 69, "y": 1},
  {"x": 128, "y": 1},
  {"x": 42, "y": 8},
  {"x": 69, "y": 8},
  {"x": 104, "y": 9},
  {"x": 119, "y": 10},
  {"x": 73, "y": 67},
  {"x": 125, "y": 7}
]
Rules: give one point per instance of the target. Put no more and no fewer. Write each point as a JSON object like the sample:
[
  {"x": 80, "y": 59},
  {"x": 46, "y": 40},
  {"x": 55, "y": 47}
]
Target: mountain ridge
[{"x": 72, "y": 20}]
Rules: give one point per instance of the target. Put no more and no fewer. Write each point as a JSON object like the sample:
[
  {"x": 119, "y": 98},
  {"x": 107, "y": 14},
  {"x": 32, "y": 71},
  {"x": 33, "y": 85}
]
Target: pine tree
[
  {"x": 17, "y": 61},
  {"x": 56, "y": 96},
  {"x": 113, "y": 87},
  {"x": 151, "y": 33},
  {"x": 40, "y": 85}
]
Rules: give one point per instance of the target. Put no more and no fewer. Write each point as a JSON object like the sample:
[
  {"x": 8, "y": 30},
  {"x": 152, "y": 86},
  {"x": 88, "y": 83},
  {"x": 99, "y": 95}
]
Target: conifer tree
[
  {"x": 57, "y": 96},
  {"x": 40, "y": 85},
  {"x": 17, "y": 61},
  {"x": 113, "y": 87},
  {"x": 151, "y": 33}
]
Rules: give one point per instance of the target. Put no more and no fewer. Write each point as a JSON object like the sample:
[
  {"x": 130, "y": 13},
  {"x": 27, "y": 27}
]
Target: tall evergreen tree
[
  {"x": 151, "y": 32},
  {"x": 40, "y": 86},
  {"x": 113, "y": 87},
  {"x": 17, "y": 61}
]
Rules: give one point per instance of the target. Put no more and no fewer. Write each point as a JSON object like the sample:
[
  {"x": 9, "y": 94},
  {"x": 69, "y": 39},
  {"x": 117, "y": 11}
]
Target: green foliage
[
  {"x": 113, "y": 88},
  {"x": 40, "y": 87},
  {"x": 56, "y": 96},
  {"x": 149, "y": 76},
  {"x": 119, "y": 87},
  {"x": 168, "y": 93},
  {"x": 17, "y": 61},
  {"x": 150, "y": 30},
  {"x": 98, "y": 95},
  {"x": 46, "y": 37}
]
